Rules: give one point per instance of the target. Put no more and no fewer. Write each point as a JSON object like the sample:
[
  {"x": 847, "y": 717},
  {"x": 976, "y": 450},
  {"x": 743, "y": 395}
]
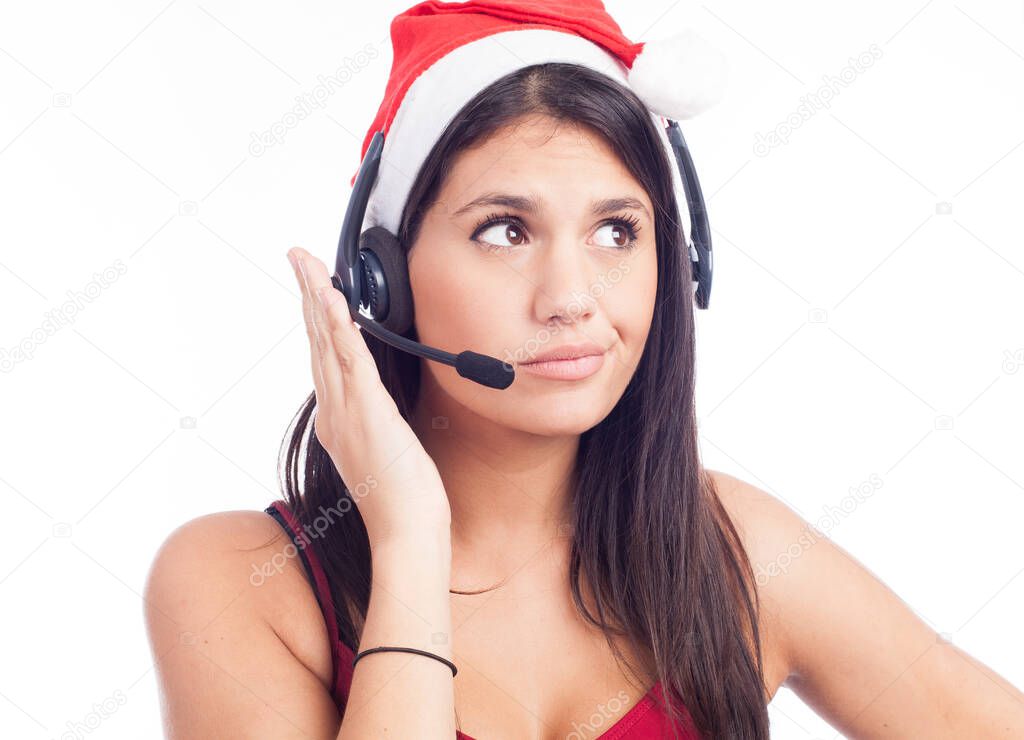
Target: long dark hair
[{"x": 660, "y": 557}]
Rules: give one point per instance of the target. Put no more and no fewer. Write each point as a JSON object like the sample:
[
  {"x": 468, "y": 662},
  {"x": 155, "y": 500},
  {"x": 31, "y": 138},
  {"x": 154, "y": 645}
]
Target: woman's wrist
[
  {"x": 425, "y": 543},
  {"x": 411, "y": 575},
  {"x": 420, "y": 536}
]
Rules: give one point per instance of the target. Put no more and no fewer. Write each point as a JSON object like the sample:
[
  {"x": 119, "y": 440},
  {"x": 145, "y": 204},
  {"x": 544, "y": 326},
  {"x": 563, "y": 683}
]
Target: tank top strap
[{"x": 341, "y": 655}]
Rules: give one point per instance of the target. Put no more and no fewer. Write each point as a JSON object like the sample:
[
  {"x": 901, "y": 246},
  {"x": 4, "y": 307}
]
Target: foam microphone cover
[{"x": 485, "y": 370}]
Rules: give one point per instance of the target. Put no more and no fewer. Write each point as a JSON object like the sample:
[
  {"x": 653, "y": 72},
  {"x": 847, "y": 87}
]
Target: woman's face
[{"x": 559, "y": 270}]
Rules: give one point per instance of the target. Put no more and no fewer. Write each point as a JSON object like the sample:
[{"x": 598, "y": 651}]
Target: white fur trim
[
  {"x": 438, "y": 93},
  {"x": 681, "y": 76}
]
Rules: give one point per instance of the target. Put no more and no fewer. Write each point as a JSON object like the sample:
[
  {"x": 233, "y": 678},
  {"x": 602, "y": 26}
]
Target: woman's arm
[
  {"x": 856, "y": 652},
  {"x": 398, "y": 694},
  {"x": 226, "y": 659},
  {"x": 239, "y": 660}
]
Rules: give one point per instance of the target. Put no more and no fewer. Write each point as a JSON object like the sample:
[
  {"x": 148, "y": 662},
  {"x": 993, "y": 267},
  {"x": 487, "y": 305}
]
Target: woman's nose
[{"x": 564, "y": 276}]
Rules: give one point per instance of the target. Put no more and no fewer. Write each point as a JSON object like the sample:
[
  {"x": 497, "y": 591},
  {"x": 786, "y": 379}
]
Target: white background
[{"x": 857, "y": 327}]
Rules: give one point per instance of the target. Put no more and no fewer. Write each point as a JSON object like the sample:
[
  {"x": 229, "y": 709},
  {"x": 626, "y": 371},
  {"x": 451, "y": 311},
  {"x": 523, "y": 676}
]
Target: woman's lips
[{"x": 575, "y": 369}]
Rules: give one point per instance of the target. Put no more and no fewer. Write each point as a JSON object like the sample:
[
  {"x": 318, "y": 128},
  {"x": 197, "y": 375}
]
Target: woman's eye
[
  {"x": 619, "y": 235},
  {"x": 502, "y": 235},
  {"x": 505, "y": 233}
]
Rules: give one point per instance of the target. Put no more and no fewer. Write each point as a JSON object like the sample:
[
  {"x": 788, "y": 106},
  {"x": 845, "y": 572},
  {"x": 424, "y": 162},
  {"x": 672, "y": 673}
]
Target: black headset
[{"x": 372, "y": 273}]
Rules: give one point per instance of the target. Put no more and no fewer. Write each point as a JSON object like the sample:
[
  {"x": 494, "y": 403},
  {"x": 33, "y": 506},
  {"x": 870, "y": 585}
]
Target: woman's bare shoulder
[
  {"x": 225, "y": 587},
  {"x": 849, "y": 645},
  {"x": 759, "y": 517},
  {"x": 768, "y": 529}
]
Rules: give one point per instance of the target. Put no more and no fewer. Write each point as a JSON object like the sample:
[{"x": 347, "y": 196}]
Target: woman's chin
[{"x": 560, "y": 417}]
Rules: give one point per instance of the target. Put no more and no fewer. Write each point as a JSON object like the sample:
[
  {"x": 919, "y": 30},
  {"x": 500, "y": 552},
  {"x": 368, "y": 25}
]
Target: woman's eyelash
[
  {"x": 630, "y": 221},
  {"x": 492, "y": 220},
  {"x": 627, "y": 220}
]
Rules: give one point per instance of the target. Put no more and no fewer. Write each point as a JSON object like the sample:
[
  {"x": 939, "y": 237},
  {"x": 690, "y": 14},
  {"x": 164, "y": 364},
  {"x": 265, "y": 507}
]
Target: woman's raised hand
[{"x": 392, "y": 479}]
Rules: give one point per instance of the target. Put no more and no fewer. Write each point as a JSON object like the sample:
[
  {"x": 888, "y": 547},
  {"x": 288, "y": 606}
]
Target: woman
[{"x": 557, "y": 545}]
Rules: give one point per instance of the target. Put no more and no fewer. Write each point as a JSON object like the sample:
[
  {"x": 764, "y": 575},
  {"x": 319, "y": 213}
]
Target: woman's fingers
[
  {"x": 358, "y": 368},
  {"x": 313, "y": 332},
  {"x": 345, "y": 359}
]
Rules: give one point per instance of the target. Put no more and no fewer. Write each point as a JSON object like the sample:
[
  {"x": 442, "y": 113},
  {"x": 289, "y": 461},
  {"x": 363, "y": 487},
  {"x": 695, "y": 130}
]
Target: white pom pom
[{"x": 680, "y": 76}]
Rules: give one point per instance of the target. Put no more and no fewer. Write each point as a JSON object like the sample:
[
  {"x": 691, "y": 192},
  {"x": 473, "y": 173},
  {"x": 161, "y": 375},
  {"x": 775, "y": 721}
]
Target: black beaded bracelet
[{"x": 406, "y": 650}]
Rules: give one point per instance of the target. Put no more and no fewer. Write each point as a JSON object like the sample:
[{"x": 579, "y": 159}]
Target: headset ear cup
[{"x": 391, "y": 303}]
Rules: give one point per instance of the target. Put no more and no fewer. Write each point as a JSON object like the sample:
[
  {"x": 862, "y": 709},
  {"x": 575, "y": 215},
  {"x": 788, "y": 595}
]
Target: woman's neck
[{"x": 510, "y": 491}]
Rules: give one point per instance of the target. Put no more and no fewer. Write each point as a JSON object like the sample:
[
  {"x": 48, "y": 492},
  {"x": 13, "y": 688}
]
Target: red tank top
[{"x": 644, "y": 721}]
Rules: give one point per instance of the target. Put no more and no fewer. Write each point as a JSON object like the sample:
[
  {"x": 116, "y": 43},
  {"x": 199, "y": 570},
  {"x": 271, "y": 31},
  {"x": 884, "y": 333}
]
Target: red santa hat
[{"x": 446, "y": 52}]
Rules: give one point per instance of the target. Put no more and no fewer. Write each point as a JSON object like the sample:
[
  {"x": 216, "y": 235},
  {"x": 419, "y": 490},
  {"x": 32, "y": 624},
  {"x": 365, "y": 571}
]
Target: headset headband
[{"x": 699, "y": 241}]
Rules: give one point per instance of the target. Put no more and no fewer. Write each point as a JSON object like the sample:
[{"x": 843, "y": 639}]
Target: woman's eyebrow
[
  {"x": 529, "y": 205},
  {"x": 517, "y": 202},
  {"x": 611, "y": 205}
]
